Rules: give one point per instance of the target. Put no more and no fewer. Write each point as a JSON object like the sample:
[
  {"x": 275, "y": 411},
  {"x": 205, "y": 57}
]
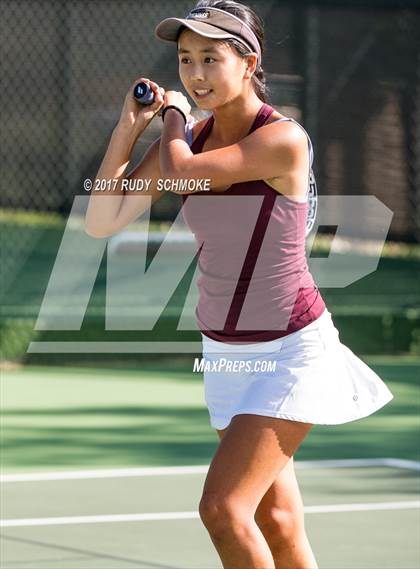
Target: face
[{"x": 213, "y": 68}]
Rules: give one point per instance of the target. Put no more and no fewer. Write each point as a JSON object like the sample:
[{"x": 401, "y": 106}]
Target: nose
[{"x": 196, "y": 73}]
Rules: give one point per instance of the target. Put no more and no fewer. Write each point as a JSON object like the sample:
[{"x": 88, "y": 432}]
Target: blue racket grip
[{"x": 143, "y": 93}]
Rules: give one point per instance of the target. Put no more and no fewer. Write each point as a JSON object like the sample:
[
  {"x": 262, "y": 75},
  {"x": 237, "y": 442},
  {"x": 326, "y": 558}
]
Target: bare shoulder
[
  {"x": 294, "y": 138},
  {"x": 287, "y": 131}
]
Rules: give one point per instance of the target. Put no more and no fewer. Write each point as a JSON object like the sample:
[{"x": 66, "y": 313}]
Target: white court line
[
  {"x": 401, "y": 463},
  {"x": 105, "y": 473},
  {"x": 200, "y": 469},
  {"x": 359, "y": 462},
  {"x": 373, "y": 506}
]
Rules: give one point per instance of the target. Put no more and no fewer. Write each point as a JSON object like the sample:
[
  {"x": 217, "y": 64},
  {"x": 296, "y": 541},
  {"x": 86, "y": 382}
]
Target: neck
[{"x": 233, "y": 120}]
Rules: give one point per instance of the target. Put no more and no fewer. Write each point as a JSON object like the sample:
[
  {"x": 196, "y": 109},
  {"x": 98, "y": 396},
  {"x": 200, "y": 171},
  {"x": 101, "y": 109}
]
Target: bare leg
[
  {"x": 252, "y": 453},
  {"x": 280, "y": 518}
]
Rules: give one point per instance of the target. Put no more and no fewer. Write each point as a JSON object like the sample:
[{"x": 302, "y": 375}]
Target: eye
[
  {"x": 183, "y": 59},
  {"x": 210, "y": 58}
]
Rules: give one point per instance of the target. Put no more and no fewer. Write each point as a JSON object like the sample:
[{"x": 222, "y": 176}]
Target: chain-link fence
[{"x": 351, "y": 75}]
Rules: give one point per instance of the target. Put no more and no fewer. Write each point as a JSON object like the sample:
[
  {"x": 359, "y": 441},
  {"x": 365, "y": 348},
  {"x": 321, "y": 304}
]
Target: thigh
[
  {"x": 252, "y": 453},
  {"x": 282, "y": 496}
]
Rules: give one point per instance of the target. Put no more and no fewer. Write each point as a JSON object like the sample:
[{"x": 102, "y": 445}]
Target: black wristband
[{"x": 173, "y": 107}]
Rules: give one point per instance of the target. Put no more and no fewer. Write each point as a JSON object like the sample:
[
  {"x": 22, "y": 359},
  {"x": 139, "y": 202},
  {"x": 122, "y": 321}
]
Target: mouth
[{"x": 202, "y": 93}]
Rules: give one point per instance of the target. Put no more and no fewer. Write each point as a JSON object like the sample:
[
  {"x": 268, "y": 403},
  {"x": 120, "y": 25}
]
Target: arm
[
  {"x": 134, "y": 204},
  {"x": 104, "y": 207},
  {"x": 278, "y": 150}
]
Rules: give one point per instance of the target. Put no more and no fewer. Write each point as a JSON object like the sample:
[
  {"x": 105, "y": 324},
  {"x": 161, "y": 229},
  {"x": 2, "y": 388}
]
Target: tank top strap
[
  {"x": 198, "y": 143},
  {"x": 263, "y": 114}
]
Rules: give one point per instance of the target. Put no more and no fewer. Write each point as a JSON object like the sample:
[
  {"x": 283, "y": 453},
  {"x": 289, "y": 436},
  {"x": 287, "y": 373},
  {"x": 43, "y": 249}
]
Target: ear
[{"x": 251, "y": 65}]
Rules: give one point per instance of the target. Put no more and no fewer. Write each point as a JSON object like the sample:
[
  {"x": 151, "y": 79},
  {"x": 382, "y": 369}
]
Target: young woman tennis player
[{"x": 258, "y": 163}]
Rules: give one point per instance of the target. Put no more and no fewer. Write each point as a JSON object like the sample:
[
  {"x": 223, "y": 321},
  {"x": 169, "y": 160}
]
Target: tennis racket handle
[{"x": 143, "y": 93}]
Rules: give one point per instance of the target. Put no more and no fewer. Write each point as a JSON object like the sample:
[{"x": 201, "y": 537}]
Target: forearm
[
  {"x": 174, "y": 150},
  {"x": 102, "y": 212}
]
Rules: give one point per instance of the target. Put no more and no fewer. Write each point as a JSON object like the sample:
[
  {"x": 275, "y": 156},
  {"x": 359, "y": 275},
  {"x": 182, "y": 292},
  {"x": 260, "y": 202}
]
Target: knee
[
  {"x": 219, "y": 514},
  {"x": 281, "y": 525}
]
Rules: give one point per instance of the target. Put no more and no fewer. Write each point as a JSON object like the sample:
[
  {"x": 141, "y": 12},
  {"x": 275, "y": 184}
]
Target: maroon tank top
[{"x": 254, "y": 283}]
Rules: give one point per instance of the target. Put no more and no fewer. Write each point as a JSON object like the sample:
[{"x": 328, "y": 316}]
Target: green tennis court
[
  {"x": 149, "y": 519},
  {"x": 131, "y": 467}
]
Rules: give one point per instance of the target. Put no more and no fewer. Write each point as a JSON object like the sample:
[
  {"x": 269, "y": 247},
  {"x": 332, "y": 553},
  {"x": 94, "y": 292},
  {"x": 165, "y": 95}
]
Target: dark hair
[{"x": 247, "y": 15}]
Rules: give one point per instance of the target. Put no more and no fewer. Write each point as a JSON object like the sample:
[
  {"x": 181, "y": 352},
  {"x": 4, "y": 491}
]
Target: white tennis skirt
[{"x": 307, "y": 376}]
